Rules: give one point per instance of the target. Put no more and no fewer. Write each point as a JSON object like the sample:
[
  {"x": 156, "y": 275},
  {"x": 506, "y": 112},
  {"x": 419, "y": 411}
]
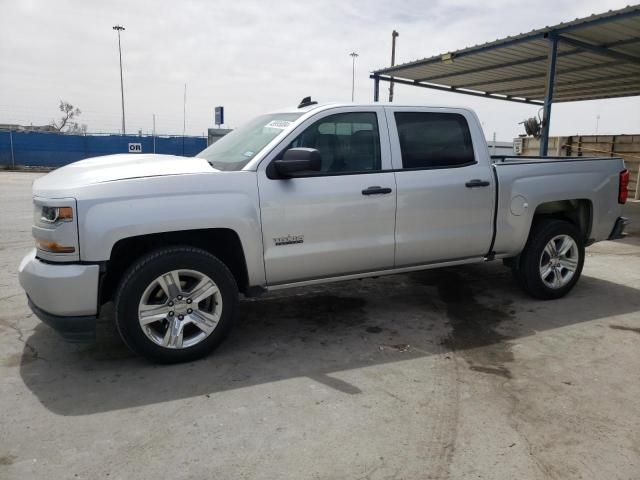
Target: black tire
[
  {"x": 149, "y": 267},
  {"x": 527, "y": 271}
]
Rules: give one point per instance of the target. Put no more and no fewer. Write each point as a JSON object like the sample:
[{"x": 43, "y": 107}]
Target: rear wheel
[
  {"x": 551, "y": 262},
  {"x": 176, "y": 304}
]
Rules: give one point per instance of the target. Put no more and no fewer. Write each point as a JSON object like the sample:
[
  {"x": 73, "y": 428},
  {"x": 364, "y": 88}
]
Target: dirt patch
[
  {"x": 400, "y": 347},
  {"x": 7, "y": 459},
  {"x": 23, "y": 358},
  {"x": 499, "y": 371},
  {"x": 473, "y": 324},
  {"x": 626, "y": 329}
]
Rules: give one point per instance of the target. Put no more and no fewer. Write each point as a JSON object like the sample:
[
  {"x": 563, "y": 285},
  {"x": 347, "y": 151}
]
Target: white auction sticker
[{"x": 280, "y": 124}]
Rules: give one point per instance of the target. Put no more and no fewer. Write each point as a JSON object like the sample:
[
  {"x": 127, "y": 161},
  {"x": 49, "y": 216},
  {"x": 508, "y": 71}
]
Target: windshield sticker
[
  {"x": 279, "y": 124},
  {"x": 249, "y": 153}
]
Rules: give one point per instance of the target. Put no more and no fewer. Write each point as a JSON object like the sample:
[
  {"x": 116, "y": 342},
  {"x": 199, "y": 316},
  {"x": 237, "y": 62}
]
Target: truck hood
[{"x": 119, "y": 167}]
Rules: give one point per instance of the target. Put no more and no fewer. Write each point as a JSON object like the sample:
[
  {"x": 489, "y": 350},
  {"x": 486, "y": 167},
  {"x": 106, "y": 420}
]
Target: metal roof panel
[{"x": 596, "y": 59}]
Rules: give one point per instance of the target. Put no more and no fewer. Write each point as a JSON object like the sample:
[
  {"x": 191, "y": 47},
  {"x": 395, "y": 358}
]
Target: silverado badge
[{"x": 288, "y": 240}]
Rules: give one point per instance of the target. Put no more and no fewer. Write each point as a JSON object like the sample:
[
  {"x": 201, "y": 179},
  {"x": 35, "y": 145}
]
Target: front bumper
[
  {"x": 64, "y": 296},
  {"x": 72, "y": 329},
  {"x": 618, "y": 228}
]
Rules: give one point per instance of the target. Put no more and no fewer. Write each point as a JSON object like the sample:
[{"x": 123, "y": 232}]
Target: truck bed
[
  {"x": 525, "y": 159},
  {"x": 530, "y": 184}
]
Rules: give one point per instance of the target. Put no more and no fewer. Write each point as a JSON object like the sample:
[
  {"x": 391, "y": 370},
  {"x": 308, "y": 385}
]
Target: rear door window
[{"x": 434, "y": 140}]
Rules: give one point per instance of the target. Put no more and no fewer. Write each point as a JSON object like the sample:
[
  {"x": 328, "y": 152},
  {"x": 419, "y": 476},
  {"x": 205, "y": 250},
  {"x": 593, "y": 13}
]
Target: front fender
[{"x": 115, "y": 211}]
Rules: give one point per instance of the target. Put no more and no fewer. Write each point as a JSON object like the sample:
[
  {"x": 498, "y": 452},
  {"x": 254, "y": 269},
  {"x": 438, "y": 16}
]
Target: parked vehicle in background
[{"x": 308, "y": 195}]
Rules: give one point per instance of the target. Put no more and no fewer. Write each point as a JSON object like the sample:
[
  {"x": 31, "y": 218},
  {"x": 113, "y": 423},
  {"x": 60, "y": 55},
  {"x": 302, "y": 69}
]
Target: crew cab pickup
[{"x": 313, "y": 194}]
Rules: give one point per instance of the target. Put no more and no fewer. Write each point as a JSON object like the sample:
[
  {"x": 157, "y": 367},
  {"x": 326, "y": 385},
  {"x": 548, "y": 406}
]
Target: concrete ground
[{"x": 449, "y": 373}]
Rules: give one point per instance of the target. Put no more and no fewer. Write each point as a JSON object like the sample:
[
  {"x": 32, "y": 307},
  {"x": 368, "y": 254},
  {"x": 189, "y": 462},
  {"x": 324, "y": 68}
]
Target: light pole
[
  {"x": 353, "y": 56},
  {"x": 120, "y": 28}
]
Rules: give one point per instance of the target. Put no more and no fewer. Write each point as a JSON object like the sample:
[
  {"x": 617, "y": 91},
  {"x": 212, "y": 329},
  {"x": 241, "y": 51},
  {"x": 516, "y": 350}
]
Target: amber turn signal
[
  {"x": 53, "y": 247},
  {"x": 65, "y": 213}
]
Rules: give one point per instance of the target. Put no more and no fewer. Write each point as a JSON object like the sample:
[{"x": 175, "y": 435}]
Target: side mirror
[{"x": 298, "y": 160}]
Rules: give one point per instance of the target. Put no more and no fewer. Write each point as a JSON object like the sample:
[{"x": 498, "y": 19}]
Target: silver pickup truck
[{"x": 313, "y": 194}]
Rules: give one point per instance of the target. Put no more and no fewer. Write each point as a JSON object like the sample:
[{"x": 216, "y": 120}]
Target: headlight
[
  {"x": 55, "y": 229},
  {"x": 56, "y": 214}
]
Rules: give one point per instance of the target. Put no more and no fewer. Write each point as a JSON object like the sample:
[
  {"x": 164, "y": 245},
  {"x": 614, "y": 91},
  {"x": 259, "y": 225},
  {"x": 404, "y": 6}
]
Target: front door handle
[
  {"x": 477, "y": 183},
  {"x": 376, "y": 190}
]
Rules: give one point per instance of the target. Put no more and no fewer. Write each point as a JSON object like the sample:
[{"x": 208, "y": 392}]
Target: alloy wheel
[
  {"x": 559, "y": 261},
  {"x": 180, "y": 309}
]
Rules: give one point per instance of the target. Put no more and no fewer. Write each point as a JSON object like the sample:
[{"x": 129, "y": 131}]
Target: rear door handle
[
  {"x": 376, "y": 190},
  {"x": 477, "y": 183}
]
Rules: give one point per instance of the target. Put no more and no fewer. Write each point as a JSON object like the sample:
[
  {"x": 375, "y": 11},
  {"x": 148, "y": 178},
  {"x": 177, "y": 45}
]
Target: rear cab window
[{"x": 434, "y": 140}]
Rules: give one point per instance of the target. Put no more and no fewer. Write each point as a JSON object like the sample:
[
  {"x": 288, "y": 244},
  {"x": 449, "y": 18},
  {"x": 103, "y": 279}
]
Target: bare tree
[{"x": 68, "y": 123}]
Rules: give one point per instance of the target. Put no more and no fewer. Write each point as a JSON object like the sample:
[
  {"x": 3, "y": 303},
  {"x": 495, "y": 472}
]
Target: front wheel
[
  {"x": 176, "y": 304},
  {"x": 552, "y": 260}
]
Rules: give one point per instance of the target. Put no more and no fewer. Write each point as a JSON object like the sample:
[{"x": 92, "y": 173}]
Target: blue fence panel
[
  {"x": 54, "y": 150},
  {"x": 5, "y": 148}
]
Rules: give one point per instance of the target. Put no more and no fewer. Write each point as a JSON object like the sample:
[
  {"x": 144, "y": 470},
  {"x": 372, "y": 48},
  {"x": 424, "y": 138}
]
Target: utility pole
[
  {"x": 184, "y": 111},
  {"x": 120, "y": 28},
  {"x": 353, "y": 56},
  {"x": 154, "y": 133},
  {"x": 394, "y": 34},
  {"x": 184, "y": 116}
]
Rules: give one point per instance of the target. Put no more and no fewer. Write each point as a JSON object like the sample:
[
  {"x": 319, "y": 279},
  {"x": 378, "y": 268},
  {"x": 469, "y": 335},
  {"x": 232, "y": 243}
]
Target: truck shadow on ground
[{"x": 316, "y": 332}]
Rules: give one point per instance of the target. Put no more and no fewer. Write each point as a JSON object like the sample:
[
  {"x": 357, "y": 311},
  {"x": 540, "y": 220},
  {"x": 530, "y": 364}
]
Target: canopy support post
[
  {"x": 376, "y": 88},
  {"x": 548, "y": 97}
]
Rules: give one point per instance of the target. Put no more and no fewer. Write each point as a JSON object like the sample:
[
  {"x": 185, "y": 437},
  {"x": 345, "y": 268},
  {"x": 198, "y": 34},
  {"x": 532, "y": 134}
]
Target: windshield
[{"x": 237, "y": 148}]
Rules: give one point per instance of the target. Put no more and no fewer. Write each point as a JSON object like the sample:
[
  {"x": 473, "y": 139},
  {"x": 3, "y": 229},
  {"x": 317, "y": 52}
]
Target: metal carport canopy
[{"x": 586, "y": 59}]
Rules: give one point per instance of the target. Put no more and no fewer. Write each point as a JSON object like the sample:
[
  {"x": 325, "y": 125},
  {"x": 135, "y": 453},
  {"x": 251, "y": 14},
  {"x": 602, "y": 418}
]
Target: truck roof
[{"x": 326, "y": 105}]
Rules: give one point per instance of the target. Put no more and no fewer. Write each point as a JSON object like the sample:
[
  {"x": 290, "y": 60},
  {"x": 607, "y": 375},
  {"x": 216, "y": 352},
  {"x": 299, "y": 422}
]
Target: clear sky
[{"x": 254, "y": 56}]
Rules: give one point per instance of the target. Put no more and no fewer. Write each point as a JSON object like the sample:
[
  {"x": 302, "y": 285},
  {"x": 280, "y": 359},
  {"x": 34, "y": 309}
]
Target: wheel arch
[
  {"x": 576, "y": 211},
  {"x": 224, "y": 243}
]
